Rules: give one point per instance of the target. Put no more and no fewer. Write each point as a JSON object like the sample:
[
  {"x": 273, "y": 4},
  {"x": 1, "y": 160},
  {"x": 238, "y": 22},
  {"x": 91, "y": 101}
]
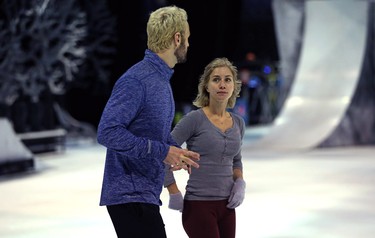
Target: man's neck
[{"x": 168, "y": 57}]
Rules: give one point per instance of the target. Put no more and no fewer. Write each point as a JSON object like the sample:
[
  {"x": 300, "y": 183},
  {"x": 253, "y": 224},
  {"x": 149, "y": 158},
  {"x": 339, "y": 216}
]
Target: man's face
[{"x": 181, "y": 51}]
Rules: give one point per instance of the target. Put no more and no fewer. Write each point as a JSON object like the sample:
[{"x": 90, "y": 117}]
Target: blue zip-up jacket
[{"x": 135, "y": 128}]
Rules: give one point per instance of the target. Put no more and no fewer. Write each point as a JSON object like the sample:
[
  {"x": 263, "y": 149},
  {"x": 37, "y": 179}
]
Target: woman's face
[{"x": 220, "y": 84}]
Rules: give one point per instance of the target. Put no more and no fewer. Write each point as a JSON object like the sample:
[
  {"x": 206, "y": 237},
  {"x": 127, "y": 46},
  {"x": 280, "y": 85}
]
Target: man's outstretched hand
[{"x": 181, "y": 159}]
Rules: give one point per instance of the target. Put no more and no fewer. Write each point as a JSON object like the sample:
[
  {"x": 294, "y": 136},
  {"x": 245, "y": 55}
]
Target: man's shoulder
[
  {"x": 137, "y": 74},
  {"x": 140, "y": 70}
]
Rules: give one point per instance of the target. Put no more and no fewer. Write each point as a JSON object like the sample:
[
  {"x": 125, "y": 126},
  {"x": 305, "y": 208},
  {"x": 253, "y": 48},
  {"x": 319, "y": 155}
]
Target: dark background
[{"x": 221, "y": 28}]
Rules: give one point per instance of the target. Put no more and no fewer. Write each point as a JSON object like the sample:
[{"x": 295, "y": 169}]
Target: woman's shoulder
[
  {"x": 195, "y": 113},
  {"x": 238, "y": 119},
  {"x": 190, "y": 120},
  {"x": 194, "y": 117},
  {"x": 236, "y": 116}
]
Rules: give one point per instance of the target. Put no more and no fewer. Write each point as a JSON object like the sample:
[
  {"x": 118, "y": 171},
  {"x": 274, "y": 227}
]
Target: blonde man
[{"x": 135, "y": 129}]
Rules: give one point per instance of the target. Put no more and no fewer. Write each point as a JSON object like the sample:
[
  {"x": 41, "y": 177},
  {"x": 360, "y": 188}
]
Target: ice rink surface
[{"x": 322, "y": 193}]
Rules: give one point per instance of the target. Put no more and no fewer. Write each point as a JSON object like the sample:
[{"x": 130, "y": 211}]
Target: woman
[{"x": 215, "y": 189}]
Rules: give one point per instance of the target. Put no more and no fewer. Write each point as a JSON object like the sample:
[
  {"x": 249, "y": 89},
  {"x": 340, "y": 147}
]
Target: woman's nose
[{"x": 222, "y": 84}]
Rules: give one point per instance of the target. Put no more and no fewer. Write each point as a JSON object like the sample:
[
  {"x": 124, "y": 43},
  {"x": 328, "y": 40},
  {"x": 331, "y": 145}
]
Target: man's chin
[{"x": 180, "y": 61}]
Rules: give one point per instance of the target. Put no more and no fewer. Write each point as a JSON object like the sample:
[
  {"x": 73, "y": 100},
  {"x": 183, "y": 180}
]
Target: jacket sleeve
[{"x": 121, "y": 109}]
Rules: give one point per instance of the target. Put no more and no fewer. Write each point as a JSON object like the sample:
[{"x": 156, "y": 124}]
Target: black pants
[{"x": 137, "y": 220}]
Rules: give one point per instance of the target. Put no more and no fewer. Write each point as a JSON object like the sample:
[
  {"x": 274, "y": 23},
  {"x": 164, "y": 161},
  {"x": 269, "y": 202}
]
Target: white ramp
[
  {"x": 14, "y": 156},
  {"x": 329, "y": 69}
]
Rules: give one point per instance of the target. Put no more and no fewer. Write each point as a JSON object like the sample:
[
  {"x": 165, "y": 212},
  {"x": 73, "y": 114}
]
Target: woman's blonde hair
[
  {"x": 203, "y": 97},
  {"x": 163, "y": 24}
]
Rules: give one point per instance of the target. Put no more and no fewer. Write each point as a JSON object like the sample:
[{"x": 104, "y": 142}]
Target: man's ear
[{"x": 177, "y": 38}]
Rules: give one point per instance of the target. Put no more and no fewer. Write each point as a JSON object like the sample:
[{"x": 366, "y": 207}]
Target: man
[{"x": 135, "y": 128}]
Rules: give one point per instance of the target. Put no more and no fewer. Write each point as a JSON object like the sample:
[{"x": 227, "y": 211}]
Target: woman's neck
[{"x": 219, "y": 111}]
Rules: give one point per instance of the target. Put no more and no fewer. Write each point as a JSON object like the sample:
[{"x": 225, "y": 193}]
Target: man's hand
[{"x": 181, "y": 159}]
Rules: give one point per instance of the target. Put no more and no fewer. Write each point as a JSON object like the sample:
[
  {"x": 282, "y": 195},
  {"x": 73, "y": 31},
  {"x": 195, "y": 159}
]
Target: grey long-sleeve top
[{"x": 220, "y": 153}]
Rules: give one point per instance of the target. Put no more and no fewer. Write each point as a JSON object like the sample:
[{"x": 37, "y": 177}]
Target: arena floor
[{"x": 324, "y": 193}]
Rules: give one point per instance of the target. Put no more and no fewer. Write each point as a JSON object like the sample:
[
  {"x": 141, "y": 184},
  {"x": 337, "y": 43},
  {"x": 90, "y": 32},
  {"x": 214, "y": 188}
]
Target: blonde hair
[
  {"x": 163, "y": 24},
  {"x": 203, "y": 97}
]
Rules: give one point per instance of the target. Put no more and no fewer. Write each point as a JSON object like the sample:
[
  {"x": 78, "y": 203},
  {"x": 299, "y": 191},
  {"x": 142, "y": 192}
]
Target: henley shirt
[{"x": 220, "y": 153}]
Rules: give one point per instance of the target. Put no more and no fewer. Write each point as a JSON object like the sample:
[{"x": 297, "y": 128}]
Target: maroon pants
[{"x": 209, "y": 219}]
